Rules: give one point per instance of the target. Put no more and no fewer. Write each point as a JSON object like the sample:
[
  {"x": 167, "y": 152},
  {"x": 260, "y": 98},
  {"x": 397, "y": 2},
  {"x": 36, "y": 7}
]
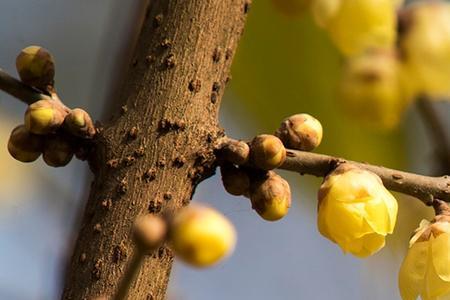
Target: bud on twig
[
  {"x": 270, "y": 196},
  {"x": 201, "y": 236},
  {"x": 79, "y": 123},
  {"x": 149, "y": 232},
  {"x": 235, "y": 180},
  {"x": 301, "y": 132},
  {"x": 36, "y": 67},
  {"x": 235, "y": 152},
  {"x": 44, "y": 116},
  {"x": 23, "y": 145},
  {"x": 57, "y": 151},
  {"x": 267, "y": 152}
]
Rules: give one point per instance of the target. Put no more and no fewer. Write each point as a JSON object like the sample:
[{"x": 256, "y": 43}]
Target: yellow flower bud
[
  {"x": 36, "y": 67},
  {"x": 79, "y": 123},
  {"x": 235, "y": 180},
  {"x": 424, "y": 43},
  {"x": 425, "y": 271},
  {"x": 301, "y": 132},
  {"x": 23, "y": 145},
  {"x": 356, "y": 25},
  {"x": 373, "y": 89},
  {"x": 267, "y": 152},
  {"x": 44, "y": 116},
  {"x": 149, "y": 232},
  {"x": 355, "y": 210},
  {"x": 57, "y": 151},
  {"x": 270, "y": 196},
  {"x": 201, "y": 236}
]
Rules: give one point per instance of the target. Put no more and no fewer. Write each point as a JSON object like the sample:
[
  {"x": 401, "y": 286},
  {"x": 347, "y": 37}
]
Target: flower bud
[
  {"x": 424, "y": 43},
  {"x": 355, "y": 210},
  {"x": 270, "y": 196},
  {"x": 301, "y": 132},
  {"x": 373, "y": 89},
  {"x": 44, "y": 116},
  {"x": 57, "y": 151},
  {"x": 358, "y": 24},
  {"x": 201, "y": 236},
  {"x": 425, "y": 271},
  {"x": 235, "y": 152},
  {"x": 79, "y": 123},
  {"x": 23, "y": 145},
  {"x": 267, "y": 152},
  {"x": 36, "y": 67},
  {"x": 149, "y": 232},
  {"x": 235, "y": 180}
]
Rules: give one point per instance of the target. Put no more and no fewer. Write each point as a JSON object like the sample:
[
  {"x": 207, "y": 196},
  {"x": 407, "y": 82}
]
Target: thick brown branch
[
  {"x": 19, "y": 90},
  {"x": 151, "y": 155},
  {"x": 425, "y": 188}
]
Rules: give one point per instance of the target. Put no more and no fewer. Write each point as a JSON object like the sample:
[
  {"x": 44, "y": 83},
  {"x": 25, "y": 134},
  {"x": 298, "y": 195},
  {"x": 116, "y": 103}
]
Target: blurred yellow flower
[
  {"x": 424, "y": 42},
  {"x": 357, "y": 25},
  {"x": 355, "y": 210},
  {"x": 425, "y": 270}
]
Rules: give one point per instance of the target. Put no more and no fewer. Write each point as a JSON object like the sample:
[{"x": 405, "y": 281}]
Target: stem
[
  {"x": 437, "y": 131},
  {"x": 130, "y": 274},
  {"x": 19, "y": 90},
  {"x": 425, "y": 188}
]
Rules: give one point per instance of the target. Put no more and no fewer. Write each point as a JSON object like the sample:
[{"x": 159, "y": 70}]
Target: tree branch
[
  {"x": 19, "y": 90},
  {"x": 424, "y": 188},
  {"x": 437, "y": 131}
]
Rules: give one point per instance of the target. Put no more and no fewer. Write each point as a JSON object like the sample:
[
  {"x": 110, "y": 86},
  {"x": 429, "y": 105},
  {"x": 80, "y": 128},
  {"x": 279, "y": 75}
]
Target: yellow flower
[
  {"x": 356, "y": 25},
  {"x": 426, "y": 268},
  {"x": 425, "y": 44},
  {"x": 355, "y": 210}
]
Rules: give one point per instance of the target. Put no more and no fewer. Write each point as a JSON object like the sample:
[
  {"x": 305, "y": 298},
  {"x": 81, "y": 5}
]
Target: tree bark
[{"x": 150, "y": 157}]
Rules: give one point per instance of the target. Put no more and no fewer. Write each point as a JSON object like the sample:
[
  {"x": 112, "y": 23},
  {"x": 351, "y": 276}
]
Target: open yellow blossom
[
  {"x": 355, "y": 210},
  {"x": 426, "y": 268}
]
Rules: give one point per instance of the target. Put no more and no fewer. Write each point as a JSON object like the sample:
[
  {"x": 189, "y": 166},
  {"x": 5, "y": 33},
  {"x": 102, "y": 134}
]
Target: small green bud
[
  {"x": 235, "y": 180},
  {"x": 57, "y": 151},
  {"x": 149, "y": 232},
  {"x": 270, "y": 196},
  {"x": 23, "y": 145},
  {"x": 44, "y": 116},
  {"x": 301, "y": 132},
  {"x": 267, "y": 152},
  {"x": 36, "y": 67},
  {"x": 79, "y": 123}
]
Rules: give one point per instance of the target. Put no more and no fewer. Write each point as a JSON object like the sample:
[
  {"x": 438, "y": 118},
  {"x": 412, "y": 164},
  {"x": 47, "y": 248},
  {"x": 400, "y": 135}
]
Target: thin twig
[
  {"x": 425, "y": 188},
  {"x": 130, "y": 274},
  {"x": 19, "y": 90},
  {"x": 437, "y": 131}
]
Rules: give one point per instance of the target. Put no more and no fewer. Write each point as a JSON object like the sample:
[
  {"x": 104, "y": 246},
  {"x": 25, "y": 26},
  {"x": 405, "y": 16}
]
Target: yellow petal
[
  {"x": 434, "y": 286},
  {"x": 346, "y": 221},
  {"x": 322, "y": 220},
  {"x": 377, "y": 215},
  {"x": 412, "y": 272},
  {"x": 365, "y": 245},
  {"x": 423, "y": 226},
  {"x": 440, "y": 248}
]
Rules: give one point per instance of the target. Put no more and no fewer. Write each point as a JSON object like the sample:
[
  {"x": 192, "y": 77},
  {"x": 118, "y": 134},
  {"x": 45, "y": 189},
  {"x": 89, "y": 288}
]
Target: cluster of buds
[
  {"x": 50, "y": 128},
  {"x": 247, "y": 168}
]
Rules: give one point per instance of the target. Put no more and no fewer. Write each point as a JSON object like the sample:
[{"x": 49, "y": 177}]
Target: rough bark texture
[{"x": 151, "y": 156}]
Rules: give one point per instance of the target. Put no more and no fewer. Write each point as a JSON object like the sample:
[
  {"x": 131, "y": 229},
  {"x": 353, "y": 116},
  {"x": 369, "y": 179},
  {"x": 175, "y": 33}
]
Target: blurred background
[{"x": 283, "y": 66}]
